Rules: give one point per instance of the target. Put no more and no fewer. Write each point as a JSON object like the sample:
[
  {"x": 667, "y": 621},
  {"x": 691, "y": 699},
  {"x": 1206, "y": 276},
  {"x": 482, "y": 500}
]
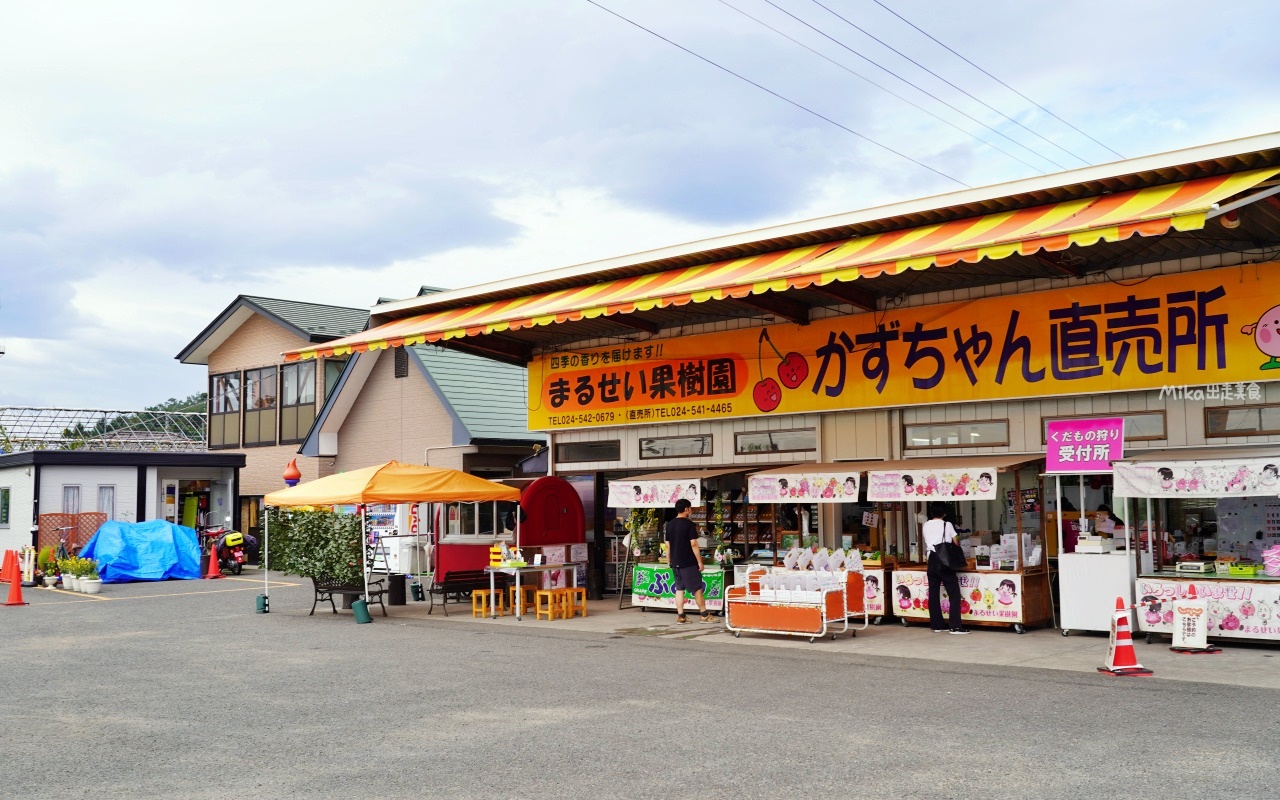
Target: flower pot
[
  {"x": 70, "y": 583},
  {"x": 91, "y": 585},
  {"x": 50, "y": 580}
]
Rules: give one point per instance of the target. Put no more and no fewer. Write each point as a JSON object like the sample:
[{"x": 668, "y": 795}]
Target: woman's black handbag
[{"x": 950, "y": 554}]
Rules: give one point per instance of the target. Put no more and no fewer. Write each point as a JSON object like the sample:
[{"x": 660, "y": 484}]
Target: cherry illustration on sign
[{"x": 793, "y": 368}]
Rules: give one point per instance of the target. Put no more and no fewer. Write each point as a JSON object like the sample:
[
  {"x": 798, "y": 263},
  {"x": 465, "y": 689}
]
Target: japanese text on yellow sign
[{"x": 1205, "y": 327}]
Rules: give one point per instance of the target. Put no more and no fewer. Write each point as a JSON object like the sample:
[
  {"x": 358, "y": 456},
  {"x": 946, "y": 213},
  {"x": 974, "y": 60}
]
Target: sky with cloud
[{"x": 159, "y": 159}]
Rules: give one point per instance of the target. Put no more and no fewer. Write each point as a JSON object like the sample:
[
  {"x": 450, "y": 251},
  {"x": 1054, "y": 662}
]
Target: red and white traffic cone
[
  {"x": 1121, "y": 658},
  {"x": 215, "y": 568}
]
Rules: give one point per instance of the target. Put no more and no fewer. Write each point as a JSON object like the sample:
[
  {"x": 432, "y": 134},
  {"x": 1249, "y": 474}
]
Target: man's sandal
[
  {"x": 708, "y": 618},
  {"x": 681, "y": 618}
]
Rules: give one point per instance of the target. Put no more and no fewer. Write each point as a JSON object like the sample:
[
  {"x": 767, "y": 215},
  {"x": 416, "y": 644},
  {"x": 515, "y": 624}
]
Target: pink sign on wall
[{"x": 1084, "y": 445}]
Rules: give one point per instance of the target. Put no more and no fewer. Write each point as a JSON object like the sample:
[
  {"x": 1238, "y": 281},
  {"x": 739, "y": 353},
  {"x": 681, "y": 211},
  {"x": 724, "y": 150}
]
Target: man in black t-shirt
[{"x": 685, "y": 560}]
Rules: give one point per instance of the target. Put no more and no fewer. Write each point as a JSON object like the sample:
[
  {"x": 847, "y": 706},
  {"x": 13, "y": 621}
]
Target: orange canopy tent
[
  {"x": 394, "y": 482},
  {"x": 391, "y": 482}
]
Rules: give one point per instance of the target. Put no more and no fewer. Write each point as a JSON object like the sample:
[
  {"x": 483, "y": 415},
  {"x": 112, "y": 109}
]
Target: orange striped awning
[{"x": 1108, "y": 218}]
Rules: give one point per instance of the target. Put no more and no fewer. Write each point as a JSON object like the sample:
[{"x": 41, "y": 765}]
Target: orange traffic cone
[
  {"x": 15, "y": 589},
  {"x": 6, "y": 568},
  {"x": 215, "y": 570},
  {"x": 1121, "y": 658}
]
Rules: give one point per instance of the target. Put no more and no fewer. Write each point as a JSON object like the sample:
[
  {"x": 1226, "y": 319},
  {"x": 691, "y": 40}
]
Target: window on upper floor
[
  {"x": 260, "y": 406},
  {"x": 297, "y": 400},
  {"x": 1242, "y": 420},
  {"x": 4, "y": 506},
  {"x": 799, "y": 440},
  {"x": 956, "y": 434},
  {"x": 224, "y": 410},
  {"x": 402, "y": 362},
  {"x": 1143, "y": 426}
]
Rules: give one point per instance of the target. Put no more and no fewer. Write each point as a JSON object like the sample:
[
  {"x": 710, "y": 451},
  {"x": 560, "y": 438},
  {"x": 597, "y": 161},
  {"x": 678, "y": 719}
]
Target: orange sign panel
[{"x": 1209, "y": 327}]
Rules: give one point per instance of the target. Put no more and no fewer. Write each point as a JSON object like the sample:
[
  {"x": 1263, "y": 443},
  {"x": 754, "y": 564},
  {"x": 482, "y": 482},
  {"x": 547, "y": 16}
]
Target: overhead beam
[
  {"x": 776, "y": 304},
  {"x": 1063, "y": 268},
  {"x": 855, "y": 296},
  {"x": 492, "y": 348},
  {"x": 635, "y": 323}
]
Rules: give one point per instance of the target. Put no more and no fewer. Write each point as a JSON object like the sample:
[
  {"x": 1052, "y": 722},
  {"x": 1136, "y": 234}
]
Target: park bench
[
  {"x": 460, "y": 582},
  {"x": 327, "y": 588}
]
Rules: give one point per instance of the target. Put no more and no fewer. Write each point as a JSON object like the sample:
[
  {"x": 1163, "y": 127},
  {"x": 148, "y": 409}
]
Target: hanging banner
[
  {"x": 653, "y": 494},
  {"x": 808, "y": 487},
  {"x": 1078, "y": 446},
  {"x": 1251, "y": 478},
  {"x": 1219, "y": 327},
  {"x": 955, "y": 483}
]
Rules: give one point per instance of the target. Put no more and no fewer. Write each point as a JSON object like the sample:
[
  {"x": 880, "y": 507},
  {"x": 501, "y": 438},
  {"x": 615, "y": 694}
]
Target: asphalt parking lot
[{"x": 181, "y": 690}]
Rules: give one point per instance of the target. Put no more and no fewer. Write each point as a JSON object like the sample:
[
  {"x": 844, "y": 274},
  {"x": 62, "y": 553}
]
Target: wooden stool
[
  {"x": 550, "y": 608},
  {"x": 576, "y": 601},
  {"x": 530, "y": 597},
  {"x": 482, "y": 603}
]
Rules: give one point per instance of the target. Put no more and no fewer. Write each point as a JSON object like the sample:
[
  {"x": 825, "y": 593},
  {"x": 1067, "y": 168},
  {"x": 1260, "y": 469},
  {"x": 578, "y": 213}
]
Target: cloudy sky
[{"x": 158, "y": 159}]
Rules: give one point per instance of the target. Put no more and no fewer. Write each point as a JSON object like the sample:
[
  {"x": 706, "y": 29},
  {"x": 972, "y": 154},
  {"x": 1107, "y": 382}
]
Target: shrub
[{"x": 315, "y": 544}]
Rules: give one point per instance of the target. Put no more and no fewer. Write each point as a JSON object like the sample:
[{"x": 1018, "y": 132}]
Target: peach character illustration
[{"x": 1266, "y": 336}]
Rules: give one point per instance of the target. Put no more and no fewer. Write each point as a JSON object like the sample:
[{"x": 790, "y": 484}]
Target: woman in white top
[{"x": 936, "y": 531}]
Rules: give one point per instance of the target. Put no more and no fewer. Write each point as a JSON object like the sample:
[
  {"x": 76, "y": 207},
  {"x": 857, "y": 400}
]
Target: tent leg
[{"x": 364, "y": 554}]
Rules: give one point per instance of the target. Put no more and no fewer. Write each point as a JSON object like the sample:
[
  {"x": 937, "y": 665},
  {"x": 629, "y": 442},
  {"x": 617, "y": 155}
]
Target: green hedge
[{"x": 315, "y": 544}]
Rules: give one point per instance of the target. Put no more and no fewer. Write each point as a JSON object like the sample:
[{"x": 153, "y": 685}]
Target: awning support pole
[{"x": 364, "y": 554}]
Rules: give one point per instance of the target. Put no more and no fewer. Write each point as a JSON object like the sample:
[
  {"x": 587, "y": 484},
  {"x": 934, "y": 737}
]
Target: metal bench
[
  {"x": 459, "y": 583},
  {"x": 326, "y": 589}
]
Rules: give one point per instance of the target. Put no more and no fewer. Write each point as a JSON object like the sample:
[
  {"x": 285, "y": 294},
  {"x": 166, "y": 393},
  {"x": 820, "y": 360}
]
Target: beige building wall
[
  {"x": 397, "y": 419},
  {"x": 259, "y": 343}
]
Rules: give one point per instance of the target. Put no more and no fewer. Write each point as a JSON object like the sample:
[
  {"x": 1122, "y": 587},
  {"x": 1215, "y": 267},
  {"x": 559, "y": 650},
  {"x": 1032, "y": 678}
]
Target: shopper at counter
[
  {"x": 1108, "y": 522},
  {"x": 685, "y": 560},
  {"x": 936, "y": 531}
]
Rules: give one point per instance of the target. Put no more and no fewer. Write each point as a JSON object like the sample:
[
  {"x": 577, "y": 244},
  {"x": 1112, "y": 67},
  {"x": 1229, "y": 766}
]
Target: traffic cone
[
  {"x": 214, "y": 571},
  {"x": 1121, "y": 658},
  {"x": 15, "y": 591},
  {"x": 6, "y": 568}
]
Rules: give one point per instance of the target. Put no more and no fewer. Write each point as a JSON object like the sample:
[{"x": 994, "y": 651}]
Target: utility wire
[
  {"x": 787, "y": 100},
  {"x": 949, "y": 83},
  {"x": 997, "y": 80},
  {"x": 877, "y": 65},
  {"x": 881, "y": 87}
]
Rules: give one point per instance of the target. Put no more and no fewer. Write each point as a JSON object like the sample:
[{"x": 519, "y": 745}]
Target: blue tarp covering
[{"x": 144, "y": 551}]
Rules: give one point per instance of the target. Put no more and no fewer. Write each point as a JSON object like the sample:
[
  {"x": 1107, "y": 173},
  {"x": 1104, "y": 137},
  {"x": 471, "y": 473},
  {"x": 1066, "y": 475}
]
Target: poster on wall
[
  {"x": 1198, "y": 478},
  {"x": 809, "y": 487},
  {"x": 955, "y": 483},
  {"x": 1234, "y": 608},
  {"x": 984, "y": 596},
  {"x": 653, "y": 494},
  {"x": 1040, "y": 344}
]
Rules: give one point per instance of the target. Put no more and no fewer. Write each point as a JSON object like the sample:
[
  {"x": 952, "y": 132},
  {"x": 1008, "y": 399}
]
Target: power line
[
  {"x": 997, "y": 80},
  {"x": 949, "y": 83},
  {"x": 881, "y": 87},
  {"x": 880, "y": 66},
  {"x": 787, "y": 100}
]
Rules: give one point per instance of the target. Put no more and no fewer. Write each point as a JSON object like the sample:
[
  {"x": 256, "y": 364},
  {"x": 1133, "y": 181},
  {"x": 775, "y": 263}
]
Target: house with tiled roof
[{"x": 424, "y": 405}]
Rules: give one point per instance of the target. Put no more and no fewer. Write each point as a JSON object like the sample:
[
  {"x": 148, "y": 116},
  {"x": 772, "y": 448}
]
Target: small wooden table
[{"x": 517, "y": 572}]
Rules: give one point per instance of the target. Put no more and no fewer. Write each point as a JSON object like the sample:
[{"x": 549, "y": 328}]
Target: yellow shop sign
[{"x": 1207, "y": 327}]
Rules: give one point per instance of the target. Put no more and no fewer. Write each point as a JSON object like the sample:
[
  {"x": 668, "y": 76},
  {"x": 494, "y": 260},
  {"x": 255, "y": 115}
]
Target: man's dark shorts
[{"x": 688, "y": 578}]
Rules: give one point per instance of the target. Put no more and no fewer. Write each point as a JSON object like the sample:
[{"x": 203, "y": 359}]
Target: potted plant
[
  {"x": 67, "y": 567},
  {"x": 90, "y": 583}
]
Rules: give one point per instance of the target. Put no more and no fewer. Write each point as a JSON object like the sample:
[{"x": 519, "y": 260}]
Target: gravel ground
[{"x": 180, "y": 690}]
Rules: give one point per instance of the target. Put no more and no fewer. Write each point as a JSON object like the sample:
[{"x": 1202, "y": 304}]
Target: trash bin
[
  {"x": 418, "y": 594},
  {"x": 395, "y": 590}
]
